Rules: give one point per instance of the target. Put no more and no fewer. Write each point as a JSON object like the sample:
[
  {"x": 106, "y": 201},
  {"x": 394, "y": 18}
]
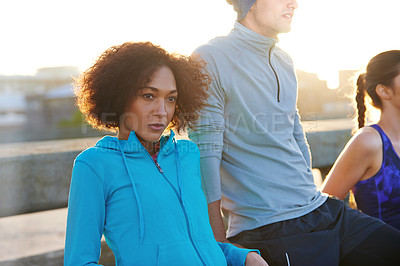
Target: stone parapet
[
  {"x": 326, "y": 146},
  {"x": 35, "y": 176}
]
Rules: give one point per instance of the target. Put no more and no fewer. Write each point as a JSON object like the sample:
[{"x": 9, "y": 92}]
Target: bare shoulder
[
  {"x": 368, "y": 140},
  {"x": 360, "y": 159}
]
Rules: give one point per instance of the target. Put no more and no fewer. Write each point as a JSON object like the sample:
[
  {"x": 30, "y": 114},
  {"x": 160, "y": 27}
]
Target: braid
[
  {"x": 360, "y": 98},
  {"x": 381, "y": 69}
]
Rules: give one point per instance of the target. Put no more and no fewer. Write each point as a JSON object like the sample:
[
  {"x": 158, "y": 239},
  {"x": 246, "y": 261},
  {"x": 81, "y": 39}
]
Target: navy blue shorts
[{"x": 322, "y": 237}]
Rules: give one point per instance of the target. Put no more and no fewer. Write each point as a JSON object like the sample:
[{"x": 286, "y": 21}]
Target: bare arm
[
  {"x": 359, "y": 160},
  {"x": 217, "y": 224},
  {"x": 254, "y": 259},
  {"x": 208, "y": 134}
]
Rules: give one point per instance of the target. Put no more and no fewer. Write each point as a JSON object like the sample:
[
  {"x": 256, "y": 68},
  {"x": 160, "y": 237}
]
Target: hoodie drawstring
[
  {"x": 178, "y": 172},
  {"x": 139, "y": 204},
  {"x": 178, "y": 194},
  {"x": 178, "y": 167}
]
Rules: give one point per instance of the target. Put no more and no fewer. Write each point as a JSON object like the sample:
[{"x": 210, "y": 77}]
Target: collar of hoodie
[
  {"x": 132, "y": 145},
  {"x": 256, "y": 42}
]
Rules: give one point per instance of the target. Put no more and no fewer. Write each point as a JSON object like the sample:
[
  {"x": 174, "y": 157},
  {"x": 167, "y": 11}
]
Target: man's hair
[{"x": 106, "y": 88}]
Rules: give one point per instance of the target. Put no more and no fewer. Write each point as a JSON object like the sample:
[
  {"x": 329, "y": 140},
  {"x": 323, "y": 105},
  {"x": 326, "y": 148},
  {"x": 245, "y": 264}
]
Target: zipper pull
[
  {"x": 159, "y": 167},
  {"x": 287, "y": 259}
]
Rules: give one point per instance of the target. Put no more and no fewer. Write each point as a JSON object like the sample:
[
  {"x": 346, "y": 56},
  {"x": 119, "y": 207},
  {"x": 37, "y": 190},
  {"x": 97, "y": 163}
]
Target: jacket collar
[
  {"x": 252, "y": 39},
  {"x": 132, "y": 144}
]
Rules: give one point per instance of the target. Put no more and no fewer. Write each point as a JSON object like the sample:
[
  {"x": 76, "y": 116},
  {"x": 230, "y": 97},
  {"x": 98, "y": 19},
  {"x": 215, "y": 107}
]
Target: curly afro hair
[{"x": 105, "y": 89}]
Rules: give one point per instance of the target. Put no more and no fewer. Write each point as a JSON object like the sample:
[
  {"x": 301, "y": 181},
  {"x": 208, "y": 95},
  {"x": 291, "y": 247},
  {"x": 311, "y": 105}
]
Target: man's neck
[{"x": 251, "y": 25}]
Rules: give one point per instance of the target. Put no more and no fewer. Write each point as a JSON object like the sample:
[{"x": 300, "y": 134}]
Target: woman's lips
[{"x": 157, "y": 126}]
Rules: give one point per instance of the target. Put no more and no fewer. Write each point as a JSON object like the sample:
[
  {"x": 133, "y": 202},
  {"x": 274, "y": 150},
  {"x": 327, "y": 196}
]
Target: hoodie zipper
[
  {"x": 178, "y": 195},
  {"x": 276, "y": 75}
]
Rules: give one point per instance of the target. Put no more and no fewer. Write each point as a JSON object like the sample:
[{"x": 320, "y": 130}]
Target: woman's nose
[{"x": 160, "y": 108}]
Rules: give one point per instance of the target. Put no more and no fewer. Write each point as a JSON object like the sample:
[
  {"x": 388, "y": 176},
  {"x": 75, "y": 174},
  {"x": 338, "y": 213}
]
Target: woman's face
[
  {"x": 153, "y": 108},
  {"x": 396, "y": 91}
]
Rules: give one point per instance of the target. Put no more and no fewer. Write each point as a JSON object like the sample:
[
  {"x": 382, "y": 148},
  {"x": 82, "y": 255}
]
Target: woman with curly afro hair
[{"x": 142, "y": 188}]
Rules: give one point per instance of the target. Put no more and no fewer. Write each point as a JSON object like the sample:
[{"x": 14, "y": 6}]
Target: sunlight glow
[{"x": 326, "y": 36}]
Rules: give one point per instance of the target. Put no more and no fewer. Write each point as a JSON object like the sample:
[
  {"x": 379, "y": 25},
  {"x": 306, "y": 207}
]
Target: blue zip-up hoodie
[{"x": 150, "y": 213}]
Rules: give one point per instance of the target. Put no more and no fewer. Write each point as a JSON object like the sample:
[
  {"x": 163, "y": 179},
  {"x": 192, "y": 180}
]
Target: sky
[{"x": 326, "y": 35}]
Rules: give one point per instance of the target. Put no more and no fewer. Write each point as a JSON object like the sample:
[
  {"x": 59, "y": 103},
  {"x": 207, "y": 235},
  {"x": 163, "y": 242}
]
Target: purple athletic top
[{"x": 379, "y": 196}]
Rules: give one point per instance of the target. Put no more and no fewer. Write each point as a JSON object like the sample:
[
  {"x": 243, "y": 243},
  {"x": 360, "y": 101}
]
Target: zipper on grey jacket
[
  {"x": 276, "y": 75},
  {"x": 180, "y": 201}
]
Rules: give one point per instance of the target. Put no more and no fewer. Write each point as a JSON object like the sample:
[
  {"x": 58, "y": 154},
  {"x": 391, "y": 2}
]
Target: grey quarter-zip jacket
[{"x": 254, "y": 154}]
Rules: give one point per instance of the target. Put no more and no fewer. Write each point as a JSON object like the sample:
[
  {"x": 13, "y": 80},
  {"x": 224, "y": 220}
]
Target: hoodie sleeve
[
  {"x": 86, "y": 214},
  {"x": 301, "y": 140},
  {"x": 208, "y": 131},
  {"x": 235, "y": 256}
]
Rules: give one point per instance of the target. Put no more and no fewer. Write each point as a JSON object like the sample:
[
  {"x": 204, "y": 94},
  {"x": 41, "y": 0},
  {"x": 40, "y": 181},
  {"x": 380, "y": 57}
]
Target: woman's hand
[{"x": 253, "y": 259}]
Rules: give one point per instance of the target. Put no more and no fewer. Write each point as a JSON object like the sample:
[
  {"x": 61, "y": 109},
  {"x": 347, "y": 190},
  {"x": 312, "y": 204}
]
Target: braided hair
[{"x": 381, "y": 69}]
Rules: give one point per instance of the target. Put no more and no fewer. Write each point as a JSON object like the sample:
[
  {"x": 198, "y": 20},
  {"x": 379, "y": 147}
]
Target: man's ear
[{"x": 384, "y": 92}]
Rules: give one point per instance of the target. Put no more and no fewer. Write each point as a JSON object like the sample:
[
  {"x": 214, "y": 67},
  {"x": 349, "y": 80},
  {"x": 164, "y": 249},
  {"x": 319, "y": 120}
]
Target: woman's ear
[{"x": 384, "y": 92}]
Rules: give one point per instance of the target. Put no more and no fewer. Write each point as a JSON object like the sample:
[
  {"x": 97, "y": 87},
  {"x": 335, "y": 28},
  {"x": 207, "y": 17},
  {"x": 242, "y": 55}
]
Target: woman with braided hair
[{"x": 369, "y": 165}]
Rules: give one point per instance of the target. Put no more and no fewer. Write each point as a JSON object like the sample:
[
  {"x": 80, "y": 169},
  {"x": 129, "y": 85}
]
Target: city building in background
[
  {"x": 318, "y": 102},
  {"x": 41, "y": 107}
]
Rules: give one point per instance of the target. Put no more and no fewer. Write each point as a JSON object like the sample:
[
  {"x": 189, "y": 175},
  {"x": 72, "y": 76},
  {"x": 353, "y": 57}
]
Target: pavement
[
  {"x": 37, "y": 239},
  {"x": 32, "y": 234}
]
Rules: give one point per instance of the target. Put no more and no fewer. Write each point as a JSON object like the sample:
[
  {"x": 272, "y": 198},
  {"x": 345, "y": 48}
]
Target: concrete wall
[
  {"x": 326, "y": 146},
  {"x": 36, "y": 176}
]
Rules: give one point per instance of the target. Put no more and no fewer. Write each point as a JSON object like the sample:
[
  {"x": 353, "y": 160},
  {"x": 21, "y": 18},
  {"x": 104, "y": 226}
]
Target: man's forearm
[{"x": 217, "y": 224}]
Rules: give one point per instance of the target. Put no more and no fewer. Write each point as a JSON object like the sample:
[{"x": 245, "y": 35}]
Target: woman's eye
[
  {"x": 172, "y": 99},
  {"x": 148, "y": 96}
]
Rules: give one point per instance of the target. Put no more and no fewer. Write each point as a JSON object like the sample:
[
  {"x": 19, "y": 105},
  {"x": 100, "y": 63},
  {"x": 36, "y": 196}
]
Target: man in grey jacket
[{"x": 255, "y": 160}]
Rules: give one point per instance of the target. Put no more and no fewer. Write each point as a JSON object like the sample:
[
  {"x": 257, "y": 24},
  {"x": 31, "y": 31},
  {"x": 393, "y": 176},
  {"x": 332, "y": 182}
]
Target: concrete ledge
[
  {"x": 327, "y": 139},
  {"x": 36, "y": 176},
  {"x": 54, "y": 258},
  {"x": 38, "y": 239},
  {"x": 28, "y": 235},
  {"x": 326, "y": 146},
  {"x": 46, "y": 259}
]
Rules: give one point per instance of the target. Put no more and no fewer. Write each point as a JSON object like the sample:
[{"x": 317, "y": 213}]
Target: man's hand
[
  {"x": 253, "y": 259},
  {"x": 217, "y": 225},
  {"x": 216, "y": 222}
]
